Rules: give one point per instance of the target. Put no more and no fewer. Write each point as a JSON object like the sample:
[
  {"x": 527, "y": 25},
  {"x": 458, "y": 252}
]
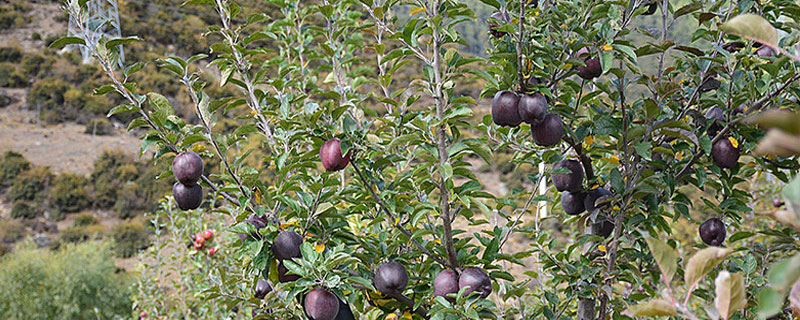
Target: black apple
[
  {"x": 187, "y": 167},
  {"x": 321, "y": 304},
  {"x": 717, "y": 119},
  {"x": 501, "y": 17},
  {"x": 592, "y": 69},
  {"x": 765, "y": 52},
  {"x": 188, "y": 197},
  {"x": 651, "y": 8},
  {"x": 568, "y": 181},
  {"x": 549, "y": 132},
  {"x": 572, "y": 202},
  {"x": 262, "y": 288},
  {"x": 446, "y": 282},
  {"x": 505, "y": 109},
  {"x": 603, "y": 228},
  {"x": 712, "y": 231},
  {"x": 283, "y": 274},
  {"x": 590, "y": 202},
  {"x": 391, "y": 278},
  {"x": 287, "y": 245},
  {"x": 532, "y": 108},
  {"x": 476, "y": 280},
  {"x": 724, "y": 154},
  {"x": 331, "y": 154}
]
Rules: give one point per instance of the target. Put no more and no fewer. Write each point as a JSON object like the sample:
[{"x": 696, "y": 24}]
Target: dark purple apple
[
  {"x": 590, "y": 202},
  {"x": 391, "y": 278},
  {"x": 262, "y": 288},
  {"x": 710, "y": 84},
  {"x": 287, "y": 245},
  {"x": 712, "y": 231},
  {"x": 321, "y": 304},
  {"x": 717, "y": 119},
  {"x": 733, "y": 46},
  {"x": 549, "y": 132},
  {"x": 345, "y": 313},
  {"x": 188, "y": 197},
  {"x": 724, "y": 154},
  {"x": 331, "y": 154},
  {"x": 603, "y": 228},
  {"x": 476, "y": 280},
  {"x": 501, "y": 17},
  {"x": 651, "y": 8},
  {"x": 765, "y": 52},
  {"x": 255, "y": 221},
  {"x": 592, "y": 69},
  {"x": 446, "y": 282},
  {"x": 532, "y": 108},
  {"x": 283, "y": 274},
  {"x": 572, "y": 181},
  {"x": 572, "y": 202},
  {"x": 777, "y": 202},
  {"x": 505, "y": 109},
  {"x": 187, "y": 167}
]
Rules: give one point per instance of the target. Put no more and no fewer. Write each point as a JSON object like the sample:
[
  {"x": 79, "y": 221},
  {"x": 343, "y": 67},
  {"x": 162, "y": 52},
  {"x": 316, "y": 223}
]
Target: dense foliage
[{"x": 380, "y": 100}]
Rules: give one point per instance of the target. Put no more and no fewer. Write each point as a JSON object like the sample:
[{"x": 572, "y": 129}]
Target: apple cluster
[
  {"x": 475, "y": 279},
  {"x": 200, "y": 241},
  {"x": 510, "y": 109},
  {"x": 187, "y": 168}
]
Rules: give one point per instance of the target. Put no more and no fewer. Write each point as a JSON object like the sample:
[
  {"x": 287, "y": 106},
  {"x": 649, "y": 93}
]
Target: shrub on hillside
[
  {"x": 47, "y": 97},
  {"x": 99, "y": 126},
  {"x": 68, "y": 193},
  {"x": 85, "y": 219},
  {"x": 11, "y": 231},
  {"x": 10, "y": 19},
  {"x": 130, "y": 237},
  {"x": 35, "y": 65},
  {"x": 74, "y": 282},
  {"x": 25, "y": 209},
  {"x": 10, "y": 54},
  {"x": 11, "y": 165},
  {"x": 111, "y": 170},
  {"x": 9, "y": 77},
  {"x": 73, "y": 234},
  {"x": 31, "y": 184}
]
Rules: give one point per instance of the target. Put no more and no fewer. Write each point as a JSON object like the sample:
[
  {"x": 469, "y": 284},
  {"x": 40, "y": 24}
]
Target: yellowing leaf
[
  {"x": 701, "y": 263},
  {"x": 733, "y": 142},
  {"x": 407, "y": 315},
  {"x": 197, "y": 148},
  {"x": 588, "y": 141},
  {"x": 612, "y": 159},
  {"x": 607, "y": 47},
  {"x": 730, "y": 294},
  {"x": 752, "y": 27},
  {"x": 652, "y": 308},
  {"x": 319, "y": 247},
  {"x": 602, "y": 248},
  {"x": 415, "y": 11},
  {"x": 666, "y": 257}
]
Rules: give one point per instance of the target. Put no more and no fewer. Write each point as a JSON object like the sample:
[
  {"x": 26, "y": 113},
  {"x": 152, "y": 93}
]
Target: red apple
[
  {"x": 212, "y": 251},
  {"x": 208, "y": 235},
  {"x": 331, "y": 155}
]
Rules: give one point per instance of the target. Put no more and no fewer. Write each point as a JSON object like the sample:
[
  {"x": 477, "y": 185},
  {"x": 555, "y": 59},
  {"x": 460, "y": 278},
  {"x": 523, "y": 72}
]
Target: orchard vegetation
[{"x": 347, "y": 188}]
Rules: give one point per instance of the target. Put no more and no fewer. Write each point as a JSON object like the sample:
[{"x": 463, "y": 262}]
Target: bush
[
  {"x": 30, "y": 183},
  {"x": 11, "y": 165},
  {"x": 111, "y": 170},
  {"x": 10, "y": 54},
  {"x": 47, "y": 97},
  {"x": 99, "y": 126},
  {"x": 76, "y": 233},
  {"x": 68, "y": 193},
  {"x": 130, "y": 237},
  {"x": 85, "y": 219},
  {"x": 11, "y": 231},
  {"x": 25, "y": 210},
  {"x": 74, "y": 282},
  {"x": 9, "y": 19},
  {"x": 36, "y": 65},
  {"x": 9, "y": 77}
]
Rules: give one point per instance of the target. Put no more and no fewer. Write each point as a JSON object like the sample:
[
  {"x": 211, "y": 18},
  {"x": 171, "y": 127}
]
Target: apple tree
[{"x": 348, "y": 185}]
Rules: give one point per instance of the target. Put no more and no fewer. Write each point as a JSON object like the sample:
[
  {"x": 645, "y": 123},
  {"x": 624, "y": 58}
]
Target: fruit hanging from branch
[
  {"x": 287, "y": 245},
  {"x": 321, "y": 304},
  {"x": 187, "y": 167},
  {"x": 391, "y": 278},
  {"x": 331, "y": 155},
  {"x": 725, "y": 154},
  {"x": 502, "y": 18},
  {"x": 505, "y": 109},
  {"x": 572, "y": 181},
  {"x": 572, "y": 202},
  {"x": 188, "y": 197},
  {"x": 592, "y": 68},
  {"x": 532, "y": 108},
  {"x": 549, "y": 132},
  {"x": 446, "y": 282},
  {"x": 262, "y": 289},
  {"x": 712, "y": 232},
  {"x": 476, "y": 280}
]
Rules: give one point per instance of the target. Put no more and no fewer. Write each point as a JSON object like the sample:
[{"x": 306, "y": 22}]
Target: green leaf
[
  {"x": 701, "y": 263},
  {"x": 791, "y": 193},
  {"x": 652, "y": 308},
  {"x": 770, "y": 303},
  {"x": 120, "y": 41},
  {"x": 67, "y": 41},
  {"x": 666, "y": 257},
  {"x": 687, "y": 9},
  {"x": 730, "y": 294},
  {"x": 752, "y": 27}
]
